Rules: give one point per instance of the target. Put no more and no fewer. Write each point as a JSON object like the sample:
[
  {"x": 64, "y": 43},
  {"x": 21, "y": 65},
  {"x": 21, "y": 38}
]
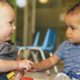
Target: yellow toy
[{"x": 11, "y": 75}]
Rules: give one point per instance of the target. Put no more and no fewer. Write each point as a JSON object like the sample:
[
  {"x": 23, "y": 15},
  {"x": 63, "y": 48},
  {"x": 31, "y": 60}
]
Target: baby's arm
[
  {"x": 46, "y": 64},
  {"x": 6, "y": 66},
  {"x": 19, "y": 73}
]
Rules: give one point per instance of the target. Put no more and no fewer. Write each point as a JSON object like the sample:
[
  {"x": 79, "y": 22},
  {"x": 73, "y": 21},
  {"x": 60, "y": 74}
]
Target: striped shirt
[{"x": 70, "y": 54}]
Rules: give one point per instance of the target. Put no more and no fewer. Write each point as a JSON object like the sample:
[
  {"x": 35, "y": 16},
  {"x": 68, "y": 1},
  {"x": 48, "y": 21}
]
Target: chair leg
[
  {"x": 43, "y": 57},
  {"x": 55, "y": 67},
  {"x": 19, "y": 54},
  {"x": 35, "y": 56},
  {"x": 26, "y": 54}
]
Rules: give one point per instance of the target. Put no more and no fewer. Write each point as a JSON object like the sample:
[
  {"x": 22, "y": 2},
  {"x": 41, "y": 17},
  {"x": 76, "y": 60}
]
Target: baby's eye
[
  {"x": 72, "y": 27},
  {"x": 10, "y": 22}
]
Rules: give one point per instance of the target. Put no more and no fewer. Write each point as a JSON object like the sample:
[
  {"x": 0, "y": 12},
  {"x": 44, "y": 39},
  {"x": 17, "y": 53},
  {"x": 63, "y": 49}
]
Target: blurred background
[{"x": 39, "y": 15}]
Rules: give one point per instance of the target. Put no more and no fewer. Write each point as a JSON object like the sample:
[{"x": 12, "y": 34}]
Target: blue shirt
[{"x": 70, "y": 54}]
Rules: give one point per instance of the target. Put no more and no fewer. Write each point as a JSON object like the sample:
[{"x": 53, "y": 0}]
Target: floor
[
  {"x": 44, "y": 75},
  {"x": 40, "y": 76}
]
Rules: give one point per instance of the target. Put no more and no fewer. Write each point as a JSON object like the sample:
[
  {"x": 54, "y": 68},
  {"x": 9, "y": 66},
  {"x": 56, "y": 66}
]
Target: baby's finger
[{"x": 30, "y": 62}]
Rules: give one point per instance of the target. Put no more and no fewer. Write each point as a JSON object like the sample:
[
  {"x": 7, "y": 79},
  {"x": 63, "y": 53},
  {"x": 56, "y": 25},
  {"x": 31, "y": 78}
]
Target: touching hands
[
  {"x": 34, "y": 68},
  {"x": 25, "y": 64}
]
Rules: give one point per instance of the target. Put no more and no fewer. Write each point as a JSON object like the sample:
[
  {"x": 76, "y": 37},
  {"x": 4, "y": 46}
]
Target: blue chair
[
  {"x": 35, "y": 43},
  {"x": 48, "y": 46}
]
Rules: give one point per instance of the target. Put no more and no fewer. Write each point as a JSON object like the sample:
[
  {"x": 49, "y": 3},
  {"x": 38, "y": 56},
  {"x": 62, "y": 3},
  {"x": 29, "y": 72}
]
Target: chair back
[
  {"x": 50, "y": 39},
  {"x": 36, "y": 40}
]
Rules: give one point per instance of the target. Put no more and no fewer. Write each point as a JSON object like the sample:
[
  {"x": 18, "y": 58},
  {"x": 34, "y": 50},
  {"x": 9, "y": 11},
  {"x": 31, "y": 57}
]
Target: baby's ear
[
  {"x": 1, "y": 5},
  {"x": 11, "y": 3}
]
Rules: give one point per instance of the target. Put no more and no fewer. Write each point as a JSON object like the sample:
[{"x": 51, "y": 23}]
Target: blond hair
[{"x": 2, "y": 3}]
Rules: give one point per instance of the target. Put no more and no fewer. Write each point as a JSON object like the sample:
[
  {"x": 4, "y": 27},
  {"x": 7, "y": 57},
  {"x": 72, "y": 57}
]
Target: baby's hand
[
  {"x": 18, "y": 76},
  {"x": 34, "y": 68},
  {"x": 25, "y": 64}
]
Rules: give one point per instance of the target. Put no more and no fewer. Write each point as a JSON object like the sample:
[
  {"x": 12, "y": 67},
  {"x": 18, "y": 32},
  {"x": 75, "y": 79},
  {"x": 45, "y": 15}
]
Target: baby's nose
[{"x": 14, "y": 27}]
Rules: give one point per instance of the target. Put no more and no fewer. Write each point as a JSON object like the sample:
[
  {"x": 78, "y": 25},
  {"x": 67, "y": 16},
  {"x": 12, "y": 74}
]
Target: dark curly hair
[{"x": 74, "y": 9}]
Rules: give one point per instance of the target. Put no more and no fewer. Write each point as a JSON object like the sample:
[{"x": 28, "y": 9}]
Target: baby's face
[
  {"x": 7, "y": 26},
  {"x": 73, "y": 28}
]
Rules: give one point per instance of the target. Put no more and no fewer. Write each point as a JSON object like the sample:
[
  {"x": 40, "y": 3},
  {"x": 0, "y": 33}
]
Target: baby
[
  {"x": 68, "y": 51},
  {"x": 8, "y": 51}
]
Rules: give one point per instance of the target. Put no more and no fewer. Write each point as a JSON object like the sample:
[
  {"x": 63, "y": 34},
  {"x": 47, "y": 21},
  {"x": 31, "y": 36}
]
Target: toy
[
  {"x": 26, "y": 78},
  {"x": 11, "y": 75}
]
